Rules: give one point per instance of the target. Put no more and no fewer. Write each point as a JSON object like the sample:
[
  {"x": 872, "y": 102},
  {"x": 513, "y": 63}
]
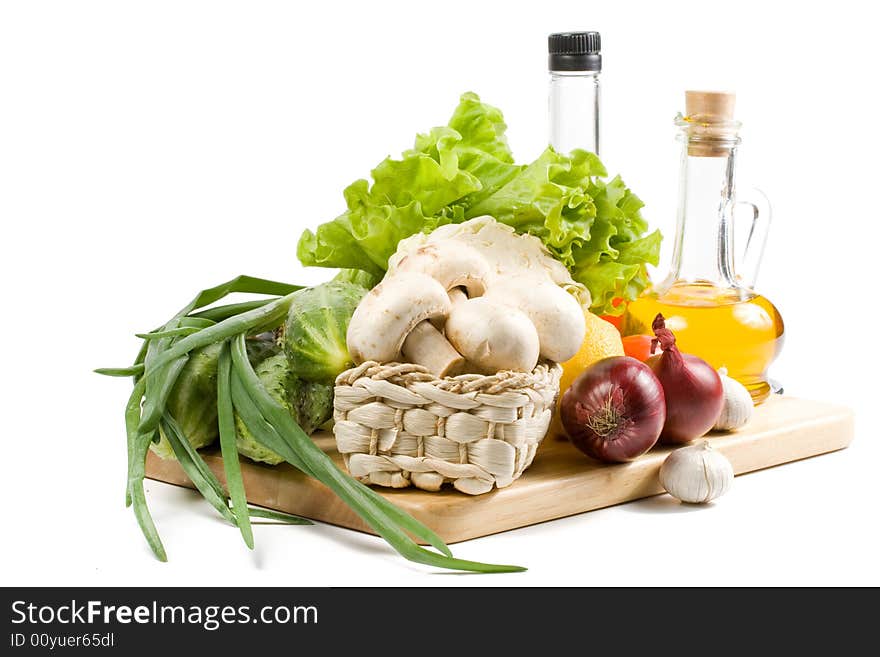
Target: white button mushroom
[
  {"x": 523, "y": 302},
  {"x": 390, "y": 322},
  {"x": 493, "y": 336},
  {"x": 452, "y": 264},
  {"x": 557, "y": 316}
]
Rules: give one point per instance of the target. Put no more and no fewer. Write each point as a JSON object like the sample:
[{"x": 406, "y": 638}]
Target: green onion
[
  {"x": 278, "y": 516},
  {"x": 132, "y": 370},
  {"x": 168, "y": 422},
  {"x": 243, "y": 284},
  {"x": 158, "y": 373},
  {"x": 298, "y": 448},
  {"x": 189, "y": 324},
  {"x": 157, "y": 359},
  {"x": 132, "y": 418},
  {"x": 219, "y": 313},
  {"x": 176, "y": 332},
  {"x": 191, "y": 463},
  {"x": 136, "y": 476},
  {"x": 252, "y": 321},
  {"x": 162, "y": 356},
  {"x": 268, "y": 435},
  {"x": 231, "y": 466},
  {"x": 139, "y": 442}
]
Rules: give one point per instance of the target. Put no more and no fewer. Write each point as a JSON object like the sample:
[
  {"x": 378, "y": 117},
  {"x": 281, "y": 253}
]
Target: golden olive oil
[{"x": 743, "y": 333}]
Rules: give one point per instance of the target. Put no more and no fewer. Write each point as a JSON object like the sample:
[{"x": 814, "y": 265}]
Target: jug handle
[{"x": 748, "y": 262}]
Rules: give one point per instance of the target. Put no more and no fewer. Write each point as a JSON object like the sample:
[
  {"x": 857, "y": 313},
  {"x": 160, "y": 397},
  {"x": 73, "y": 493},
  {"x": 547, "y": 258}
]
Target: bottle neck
[
  {"x": 702, "y": 252},
  {"x": 574, "y": 110}
]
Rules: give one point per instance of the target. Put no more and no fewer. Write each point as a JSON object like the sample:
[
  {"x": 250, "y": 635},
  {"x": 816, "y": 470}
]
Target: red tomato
[
  {"x": 637, "y": 346},
  {"x": 616, "y": 320},
  {"x": 611, "y": 319}
]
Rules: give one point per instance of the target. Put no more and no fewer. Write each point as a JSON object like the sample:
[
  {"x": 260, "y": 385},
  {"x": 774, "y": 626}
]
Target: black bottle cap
[{"x": 575, "y": 51}]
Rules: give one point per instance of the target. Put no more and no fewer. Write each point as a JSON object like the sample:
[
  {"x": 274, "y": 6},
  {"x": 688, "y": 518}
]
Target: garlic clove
[
  {"x": 737, "y": 408},
  {"x": 696, "y": 474}
]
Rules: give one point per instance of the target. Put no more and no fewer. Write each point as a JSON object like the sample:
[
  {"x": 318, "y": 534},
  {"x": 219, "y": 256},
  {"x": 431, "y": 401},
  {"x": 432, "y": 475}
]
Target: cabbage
[{"x": 314, "y": 335}]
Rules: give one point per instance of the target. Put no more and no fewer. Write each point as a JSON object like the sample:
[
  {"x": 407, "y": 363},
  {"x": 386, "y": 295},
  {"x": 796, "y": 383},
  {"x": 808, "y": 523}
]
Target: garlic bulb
[
  {"x": 738, "y": 406},
  {"x": 696, "y": 474}
]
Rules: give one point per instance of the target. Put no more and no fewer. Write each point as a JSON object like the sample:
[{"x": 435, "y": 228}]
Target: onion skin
[
  {"x": 614, "y": 411},
  {"x": 692, "y": 388}
]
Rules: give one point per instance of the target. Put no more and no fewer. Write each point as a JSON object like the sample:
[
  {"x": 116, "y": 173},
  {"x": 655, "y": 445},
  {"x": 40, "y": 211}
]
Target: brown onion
[
  {"x": 692, "y": 387},
  {"x": 614, "y": 411}
]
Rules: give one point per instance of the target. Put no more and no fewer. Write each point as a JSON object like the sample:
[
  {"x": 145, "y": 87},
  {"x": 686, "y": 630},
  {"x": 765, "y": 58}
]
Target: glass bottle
[
  {"x": 575, "y": 63},
  {"x": 708, "y": 298}
]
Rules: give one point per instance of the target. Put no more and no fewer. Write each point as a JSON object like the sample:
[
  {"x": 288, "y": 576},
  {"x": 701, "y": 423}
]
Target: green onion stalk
[{"x": 243, "y": 398}]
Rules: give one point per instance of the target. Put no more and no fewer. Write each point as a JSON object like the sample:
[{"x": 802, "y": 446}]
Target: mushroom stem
[
  {"x": 457, "y": 295},
  {"x": 426, "y": 346}
]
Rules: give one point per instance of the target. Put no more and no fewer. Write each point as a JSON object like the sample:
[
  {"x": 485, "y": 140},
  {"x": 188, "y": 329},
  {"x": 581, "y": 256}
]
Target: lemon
[{"x": 601, "y": 340}]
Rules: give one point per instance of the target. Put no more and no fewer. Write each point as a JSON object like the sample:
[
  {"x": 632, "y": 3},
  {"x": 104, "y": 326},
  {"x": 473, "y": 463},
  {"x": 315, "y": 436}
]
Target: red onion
[
  {"x": 694, "y": 395},
  {"x": 614, "y": 411}
]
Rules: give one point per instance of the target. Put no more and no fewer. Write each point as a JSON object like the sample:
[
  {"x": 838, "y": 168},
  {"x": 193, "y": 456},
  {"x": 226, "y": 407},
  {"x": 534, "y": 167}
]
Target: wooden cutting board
[{"x": 561, "y": 481}]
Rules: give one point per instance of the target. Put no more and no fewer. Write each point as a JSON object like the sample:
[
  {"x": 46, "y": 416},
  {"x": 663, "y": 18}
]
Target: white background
[{"x": 149, "y": 150}]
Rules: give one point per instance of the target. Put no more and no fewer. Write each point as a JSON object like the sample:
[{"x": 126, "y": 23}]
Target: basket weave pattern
[{"x": 397, "y": 425}]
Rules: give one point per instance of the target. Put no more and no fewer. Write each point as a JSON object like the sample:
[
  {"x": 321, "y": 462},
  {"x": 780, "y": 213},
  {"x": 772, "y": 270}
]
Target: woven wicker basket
[{"x": 397, "y": 425}]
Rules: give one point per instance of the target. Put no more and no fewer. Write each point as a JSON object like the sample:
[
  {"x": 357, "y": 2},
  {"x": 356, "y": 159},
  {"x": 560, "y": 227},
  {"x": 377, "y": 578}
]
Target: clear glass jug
[{"x": 708, "y": 298}]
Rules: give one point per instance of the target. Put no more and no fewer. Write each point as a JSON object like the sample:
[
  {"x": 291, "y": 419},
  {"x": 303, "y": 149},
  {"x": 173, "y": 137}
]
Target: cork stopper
[
  {"x": 709, "y": 106},
  {"x": 712, "y": 130}
]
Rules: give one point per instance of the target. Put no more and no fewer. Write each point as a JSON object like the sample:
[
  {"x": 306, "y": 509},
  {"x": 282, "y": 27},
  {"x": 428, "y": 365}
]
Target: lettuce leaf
[
  {"x": 464, "y": 170},
  {"x": 547, "y": 200}
]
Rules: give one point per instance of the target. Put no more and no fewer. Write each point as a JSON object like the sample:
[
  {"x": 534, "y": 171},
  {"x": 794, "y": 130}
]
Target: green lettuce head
[{"x": 464, "y": 170}]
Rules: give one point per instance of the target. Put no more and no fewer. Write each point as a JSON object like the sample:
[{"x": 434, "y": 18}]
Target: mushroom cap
[
  {"x": 522, "y": 273},
  {"x": 507, "y": 252},
  {"x": 452, "y": 264},
  {"x": 388, "y": 312},
  {"x": 558, "y": 317},
  {"x": 493, "y": 336}
]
